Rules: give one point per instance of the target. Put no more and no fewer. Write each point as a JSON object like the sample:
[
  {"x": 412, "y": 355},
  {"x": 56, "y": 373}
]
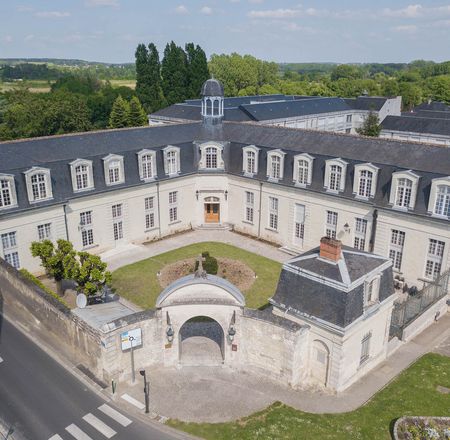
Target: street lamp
[
  {"x": 231, "y": 328},
  {"x": 170, "y": 333},
  {"x": 146, "y": 391}
]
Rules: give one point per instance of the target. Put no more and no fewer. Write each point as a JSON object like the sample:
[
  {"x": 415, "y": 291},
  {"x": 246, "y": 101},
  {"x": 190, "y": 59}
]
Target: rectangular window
[
  {"x": 249, "y": 206},
  {"x": 251, "y": 162},
  {"x": 365, "y": 348},
  {"x": 349, "y": 119},
  {"x": 273, "y": 213},
  {"x": 396, "y": 248},
  {"x": 360, "y": 234},
  {"x": 45, "y": 231},
  {"x": 331, "y": 224},
  {"x": 5, "y": 193},
  {"x": 87, "y": 234},
  {"x": 299, "y": 224},
  {"x": 9, "y": 245},
  {"x": 173, "y": 206},
  {"x": 38, "y": 186},
  {"x": 149, "y": 212},
  {"x": 114, "y": 172},
  {"x": 117, "y": 213},
  {"x": 435, "y": 256}
]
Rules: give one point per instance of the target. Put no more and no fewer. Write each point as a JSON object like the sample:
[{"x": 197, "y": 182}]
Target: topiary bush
[{"x": 210, "y": 264}]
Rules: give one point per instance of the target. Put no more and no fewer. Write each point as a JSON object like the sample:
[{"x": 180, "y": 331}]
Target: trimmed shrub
[
  {"x": 210, "y": 264},
  {"x": 39, "y": 283}
]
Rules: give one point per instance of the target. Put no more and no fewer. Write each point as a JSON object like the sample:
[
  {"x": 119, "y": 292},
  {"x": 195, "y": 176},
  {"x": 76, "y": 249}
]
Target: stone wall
[{"x": 48, "y": 320}]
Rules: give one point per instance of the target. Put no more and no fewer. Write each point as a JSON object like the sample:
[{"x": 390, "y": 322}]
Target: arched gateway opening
[{"x": 201, "y": 342}]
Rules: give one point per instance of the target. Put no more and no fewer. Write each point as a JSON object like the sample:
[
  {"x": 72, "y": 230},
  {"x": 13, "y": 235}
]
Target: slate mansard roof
[
  {"x": 418, "y": 125},
  {"x": 310, "y": 286},
  {"x": 57, "y": 152},
  {"x": 269, "y": 107}
]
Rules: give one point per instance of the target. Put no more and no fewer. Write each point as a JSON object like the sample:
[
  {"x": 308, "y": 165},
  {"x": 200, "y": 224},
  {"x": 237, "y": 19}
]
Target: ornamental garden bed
[{"x": 422, "y": 428}]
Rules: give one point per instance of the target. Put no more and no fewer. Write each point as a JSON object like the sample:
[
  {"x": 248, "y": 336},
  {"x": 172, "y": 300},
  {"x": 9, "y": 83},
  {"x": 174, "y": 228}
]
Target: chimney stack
[{"x": 330, "y": 249}]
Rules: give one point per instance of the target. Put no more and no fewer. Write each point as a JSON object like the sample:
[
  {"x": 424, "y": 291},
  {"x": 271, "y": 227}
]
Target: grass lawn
[
  {"x": 138, "y": 282},
  {"x": 131, "y": 83},
  {"x": 35, "y": 86},
  {"x": 412, "y": 393}
]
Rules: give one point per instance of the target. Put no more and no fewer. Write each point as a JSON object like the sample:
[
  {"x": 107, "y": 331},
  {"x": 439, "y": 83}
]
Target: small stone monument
[{"x": 200, "y": 272}]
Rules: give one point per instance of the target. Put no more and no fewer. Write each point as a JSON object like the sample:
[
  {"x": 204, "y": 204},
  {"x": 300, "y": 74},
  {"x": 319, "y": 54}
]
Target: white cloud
[
  {"x": 24, "y": 8},
  {"x": 181, "y": 10},
  {"x": 52, "y": 14},
  {"x": 411, "y": 11},
  {"x": 406, "y": 28},
  {"x": 7, "y": 39},
  {"x": 255, "y": 1},
  {"x": 29, "y": 37},
  {"x": 275, "y": 13},
  {"x": 95, "y": 3},
  {"x": 206, "y": 10}
]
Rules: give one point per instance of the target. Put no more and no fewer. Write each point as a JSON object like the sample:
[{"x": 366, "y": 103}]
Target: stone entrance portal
[
  {"x": 201, "y": 342},
  {"x": 212, "y": 210}
]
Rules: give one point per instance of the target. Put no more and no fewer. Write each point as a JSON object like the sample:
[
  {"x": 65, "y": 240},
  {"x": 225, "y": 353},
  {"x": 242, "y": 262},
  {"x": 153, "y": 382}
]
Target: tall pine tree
[
  {"x": 137, "y": 116},
  {"x": 174, "y": 74},
  {"x": 157, "y": 99},
  {"x": 119, "y": 113},
  {"x": 143, "y": 78},
  {"x": 197, "y": 69}
]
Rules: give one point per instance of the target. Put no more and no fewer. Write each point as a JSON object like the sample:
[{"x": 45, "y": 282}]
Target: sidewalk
[
  {"x": 132, "y": 253},
  {"x": 217, "y": 394}
]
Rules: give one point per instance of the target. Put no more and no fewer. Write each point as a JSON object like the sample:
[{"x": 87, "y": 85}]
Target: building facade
[{"x": 102, "y": 190}]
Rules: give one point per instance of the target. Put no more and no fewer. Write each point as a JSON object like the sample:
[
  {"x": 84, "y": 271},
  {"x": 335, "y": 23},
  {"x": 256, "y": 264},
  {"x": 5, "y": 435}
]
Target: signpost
[{"x": 130, "y": 340}]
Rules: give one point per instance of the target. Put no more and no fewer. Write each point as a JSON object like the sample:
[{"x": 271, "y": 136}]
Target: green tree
[
  {"x": 197, "y": 69},
  {"x": 119, "y": 116},
  {"x": 59, "y": 263},
  {"x": 371, "y": 126},
  {"x": 345, "y": 71},
  {"x": 137, "y": 116},
  {"x": 174, "y": 74},
  {"x": 156, "y": 95},
  {"x": 91, "y": 274}
]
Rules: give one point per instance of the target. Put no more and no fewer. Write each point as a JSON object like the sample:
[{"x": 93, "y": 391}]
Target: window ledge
[
  {"x": 41, "y": 200},
  {"x": 91, "y": 246},
  {"x": 149, "y": 180},
  {"x": 401, "y": 208},
  {"x": 115, "y": 183},
  {"x": 249, "y": 223},
  {"x": 246, "y": 174},
  {"x": 15, "y": 205},
  {"x": 300, "y": 185},
  {"x": 76, "y": 191},
  {"x": 151, "y": 229},
  {"x": 174, "y": 222},
  {"x": 364, "y": 362},
  {"x": 272, "y": 230},
  {"x": 273, "y": 179}
]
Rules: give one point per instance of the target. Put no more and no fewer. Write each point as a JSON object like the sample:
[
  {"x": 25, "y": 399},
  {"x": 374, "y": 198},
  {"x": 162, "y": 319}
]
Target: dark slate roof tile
[{"x": 417, "y": 125}]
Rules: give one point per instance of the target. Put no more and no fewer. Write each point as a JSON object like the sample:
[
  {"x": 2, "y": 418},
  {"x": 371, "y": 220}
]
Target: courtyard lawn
[
  {"x": 138, "y": 282},
  {"x": 412, "y": 393}
]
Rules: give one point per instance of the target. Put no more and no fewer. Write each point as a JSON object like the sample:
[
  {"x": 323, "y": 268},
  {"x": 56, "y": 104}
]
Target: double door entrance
[{"x": 212, "y": 212}]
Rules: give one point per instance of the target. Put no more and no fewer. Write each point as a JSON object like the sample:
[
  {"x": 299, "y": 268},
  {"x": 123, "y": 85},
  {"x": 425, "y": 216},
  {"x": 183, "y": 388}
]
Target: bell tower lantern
[{"x": 212, "y": 102}]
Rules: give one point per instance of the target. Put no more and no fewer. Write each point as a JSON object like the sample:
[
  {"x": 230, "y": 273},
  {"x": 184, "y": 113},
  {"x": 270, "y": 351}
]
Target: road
[{"x": 43, "y": 401}]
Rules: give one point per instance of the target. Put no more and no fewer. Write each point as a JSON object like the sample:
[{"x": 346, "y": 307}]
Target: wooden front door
[{"x": 212, "y": 212}]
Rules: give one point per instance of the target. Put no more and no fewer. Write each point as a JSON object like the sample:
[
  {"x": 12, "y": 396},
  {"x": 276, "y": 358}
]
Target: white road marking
[
  {"x": 56, "y": 437},
  {"x": 77, "y": 432},
  {"x": 133, "y": 401},
  {"x": 99, "y": 425},
  {"x": 111, "y": 412}
]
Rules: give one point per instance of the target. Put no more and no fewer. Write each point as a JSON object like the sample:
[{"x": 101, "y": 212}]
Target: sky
[{"x": 276, "y": 30}]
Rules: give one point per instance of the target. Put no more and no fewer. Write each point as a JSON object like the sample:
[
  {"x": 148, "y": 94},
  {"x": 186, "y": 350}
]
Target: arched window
[
  {"x": 38, "y": 186},
  {"x": 250, "y": 162},
  {"x": 365, "y": 183},
  {"x": 403, "y": 193},
  {"x": 211, "y": 157},
  {"x": 6, "y": 196},
  {"x": 147, "y": 166},
  {"x": 303, "y": 172},
  {"x": 82, "y": 176},
  {"x": 442, "y": 205},
  {"x": 335, "y": 177},
  {"x": 275, "y": 167}
]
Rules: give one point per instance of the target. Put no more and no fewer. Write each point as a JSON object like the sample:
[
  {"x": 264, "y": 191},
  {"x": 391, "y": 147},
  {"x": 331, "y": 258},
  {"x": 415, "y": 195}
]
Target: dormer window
[
  {"x": 211, "y": 156},
  {"x": 114, "y": 173},
  {"x": 335, "y": 175},
  {"x": 302, "y": 174},
  {"x": 439, "y": 204},
  {"x": 8, "y": 197},
  {"x": 275, "y": 165},
  {"x": 82, "y": 177},
  {"x": 250, "y": 160},
  {"x": 364, "y": 185},
  {"x": 171, "y": 160},
  {"x": 404, "y": 189},
  {"x": 147, "y": 164},
  {"x": 38, "y": 184}
]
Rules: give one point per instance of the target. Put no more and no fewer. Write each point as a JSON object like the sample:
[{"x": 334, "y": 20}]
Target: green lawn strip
[
  {"x": 138, "y": 282},
  {"x": 412, "y": 393}
]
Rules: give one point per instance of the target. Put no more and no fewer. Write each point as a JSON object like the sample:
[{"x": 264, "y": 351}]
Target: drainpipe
[
  {"x": 373, "y": 232},
  {"x": 65, "y": 222},
  {"x": 159, "y": 210},
  {"x": 260, "y": 203}
]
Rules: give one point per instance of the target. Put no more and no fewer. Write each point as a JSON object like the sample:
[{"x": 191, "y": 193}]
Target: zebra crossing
[{"x": 93, "y": 421}]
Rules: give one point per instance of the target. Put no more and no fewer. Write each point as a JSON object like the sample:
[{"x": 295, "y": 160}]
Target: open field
[
  {"x": 35, "y": 86},
  {"x": 131, "y": 83},
  {"x": 414, "y": 392},
  {"x": 139, "y": 282}
]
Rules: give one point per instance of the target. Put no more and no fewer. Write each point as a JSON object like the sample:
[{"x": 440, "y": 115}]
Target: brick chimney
[{"x": 330, "y": 249}]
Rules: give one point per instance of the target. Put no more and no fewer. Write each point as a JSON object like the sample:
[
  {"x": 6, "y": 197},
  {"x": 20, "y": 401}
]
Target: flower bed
[{"x": 422, "y": 428}]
